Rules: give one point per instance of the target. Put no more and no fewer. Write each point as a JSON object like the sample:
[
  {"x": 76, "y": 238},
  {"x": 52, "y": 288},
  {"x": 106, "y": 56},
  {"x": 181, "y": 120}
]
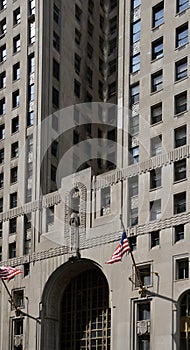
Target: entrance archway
[
  {"x": 75, "y": 308},
  {"x": 184, "y": 304}
]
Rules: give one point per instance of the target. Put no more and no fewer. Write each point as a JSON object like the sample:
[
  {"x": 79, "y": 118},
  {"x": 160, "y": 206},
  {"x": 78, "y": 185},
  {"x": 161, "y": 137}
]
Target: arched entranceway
[
  {"x": 184, "y": 304},
  {"x": 75, "y": 308}
]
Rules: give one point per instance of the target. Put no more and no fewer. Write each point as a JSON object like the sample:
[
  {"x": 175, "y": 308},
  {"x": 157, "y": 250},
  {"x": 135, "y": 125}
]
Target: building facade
[{"x": 72, "y": 72}]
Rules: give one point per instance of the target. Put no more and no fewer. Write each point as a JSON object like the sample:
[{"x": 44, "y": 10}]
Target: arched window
[
  {"x": 85, "y": 313},
  {"x": 185, "y": 321}
]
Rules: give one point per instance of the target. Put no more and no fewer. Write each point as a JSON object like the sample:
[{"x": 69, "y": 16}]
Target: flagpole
[
  {"x": 142, "y": 287},
  {"x": 17, "y": 309}
]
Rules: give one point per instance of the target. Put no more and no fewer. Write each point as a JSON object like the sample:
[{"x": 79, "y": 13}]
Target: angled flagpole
[{"x": 137, "y": 273}]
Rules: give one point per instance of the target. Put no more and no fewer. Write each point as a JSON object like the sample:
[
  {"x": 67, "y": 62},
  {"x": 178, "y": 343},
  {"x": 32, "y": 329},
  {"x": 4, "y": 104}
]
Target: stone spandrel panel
[{"x": 135, "y": 109}]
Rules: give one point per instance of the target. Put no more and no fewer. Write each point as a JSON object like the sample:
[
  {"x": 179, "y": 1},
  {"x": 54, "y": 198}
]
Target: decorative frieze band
[{"x": 143, "y": 167}]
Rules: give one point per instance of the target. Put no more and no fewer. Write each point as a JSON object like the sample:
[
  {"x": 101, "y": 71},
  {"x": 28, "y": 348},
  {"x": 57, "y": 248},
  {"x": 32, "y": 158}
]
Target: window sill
[
  {"x": 182, "y": 12},
  {"x": 155, "y": 189},
  {"x": 182, "y": 79},
  {"x": 156, "y": 59},
  {"x": 178, "y": 48},
  {"x": 181, "y": 180},
  {"x": 158, "y": 123},
  {"x": 154, "y": 29},
  {"x": 155, "y": 92},
  {"x": 180, "y": 114}
]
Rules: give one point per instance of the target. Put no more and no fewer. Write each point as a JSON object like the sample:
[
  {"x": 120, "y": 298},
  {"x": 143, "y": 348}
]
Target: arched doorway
[
  {"x": 184, "y": 304},
  {"x": 85, "y": 313},
  {"x": 75, "y": 308}
]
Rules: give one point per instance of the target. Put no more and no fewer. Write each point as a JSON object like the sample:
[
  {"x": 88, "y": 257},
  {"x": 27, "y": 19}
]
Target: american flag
[
  {"x": 7, "y": 272},
  {"x": 121, "y": 249}
]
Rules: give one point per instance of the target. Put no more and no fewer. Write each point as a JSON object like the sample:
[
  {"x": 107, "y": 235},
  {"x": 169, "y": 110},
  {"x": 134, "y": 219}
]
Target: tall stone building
[{"x": 61, "y": 204}]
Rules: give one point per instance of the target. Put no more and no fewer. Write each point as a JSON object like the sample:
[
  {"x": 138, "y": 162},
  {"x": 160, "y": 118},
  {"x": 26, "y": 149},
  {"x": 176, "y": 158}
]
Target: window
[
  {"x": 3, "y": 80},
  {"x": 56, "y": 14},
  {"x": 179, "y": 202},
  {"x": 2, "y": 106},
  {"x": 50, "y": 215},
  {"x": 13, "y": 200},
  {"x": 14, "y": 150},
  {"x": 155, "y": 239},
  {"x": 158, "y": 15},
  {"x": 180, "y": 136},
  {"x": 0, "y": 253},
  {"x": 3, "y": 27},
  {"x": 31, "y": 7},
  {"x": 157, "y": 81},
  {"x": 155, "y": 178},
  {"x": 1, "y": 180},
  {"x": 55, "y": 97},
  {"x": 53, "y": 173},
  {"x": 133, "y": 186},
  {"x": 18, "y": 297},
  {"x": 182, "y": 5},
  {"x": 3, "y": 4},
  {"x": 91, "y": 6},
  {"x": 3, "y": 53},
  {"x": 2, "y": 155},
  {"x": 77, "y": 63},
  {"x": 12, "y": 225},
  {"x": 16, "y": 16},
  {"x": 15, "y": 99},
  {"x": 157, "y": 49},
  {"x": 32, "y": 32},
  {"x": 182, "y": 268},
  {"x": 31, "y": 92},
  {"x": 15, "y": 125},
  {"x": 16, "y": 44},
  {"x": 145, "y": 274},
  {"x": 156, "y": 145},
  {"x": 133, "y": 243},
  {"x": 181, "y": 102},
  {"x": 133, "y": 217},
  {"x": 90, "y": 28},
  {"x": 179, "y": 233},
  {"x": 77, "y": 36},
  {"x": 112, "y": 45},
  {"x": 12, "y": 250},
  {"x": 16, "y": 71},
  {"x": 89, "y": 77},
  {"x": 105, "y": 201},
  {"x": 135, "y": 63},
  {"x": 182, "y": 35},
  {"x": 54, "y": 148},
  {"x": 31, "y": 64},
  {"x": 78, "y": 13},
  {"x": 2, "y": 132},
  {"x": 181, "y": 69},
  {"x": 1, "y": 205},
  {"x": 135, "y": 3},
  {"x": 112, "y": 25},
  {"x": 156, "y": 113},
  {"x": 30, "y": 119},
  {"x": 155, "y": 210},
  {"x": 134, "y": 155},
  {"x": 134, "y": 125},
  {"x": 89, "y": 51},
  {"x": 112, "y": 66},
  {"x": 184, "y": 308},
  {"x": 77, "y": 88},
  {"x": 136, "y": 31},
  {"x": 14, "y": 172},
  {"x": 56, "y": 69},
  {"x": 180, "y": 170},
  {"x": 134, "y": 94},
  {"x": 56, "y": 41}
]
